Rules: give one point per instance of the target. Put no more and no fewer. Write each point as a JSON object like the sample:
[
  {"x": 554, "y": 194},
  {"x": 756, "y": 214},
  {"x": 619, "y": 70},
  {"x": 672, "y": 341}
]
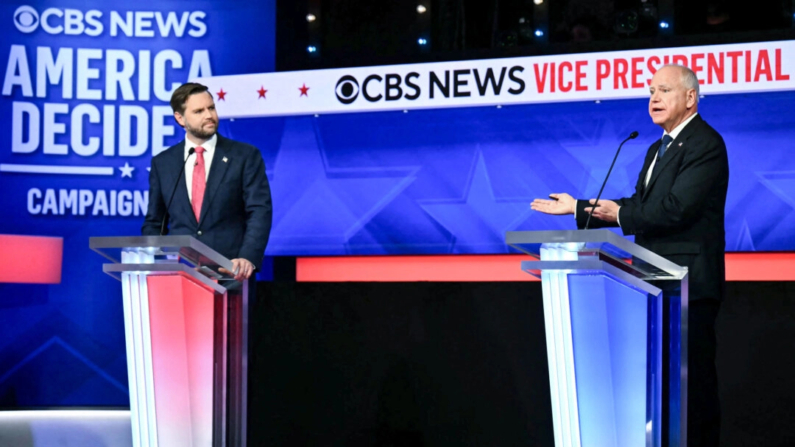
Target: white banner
[{"x": 737, "y": 68}]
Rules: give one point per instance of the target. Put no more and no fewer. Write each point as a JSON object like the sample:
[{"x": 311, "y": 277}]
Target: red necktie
[{"x": 199, "y": 182}]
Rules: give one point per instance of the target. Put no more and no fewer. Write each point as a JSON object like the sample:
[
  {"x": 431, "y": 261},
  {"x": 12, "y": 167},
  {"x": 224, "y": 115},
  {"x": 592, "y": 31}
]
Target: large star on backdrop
[
  {"x": 780, "y": 183},
  {"x": 744, "y": 242},
  {"x": 329, "y": 203},
  {"x": 763, "y": 215},
  {"x": 606, "y": 134},
  {"x": 478, "y": 220}
]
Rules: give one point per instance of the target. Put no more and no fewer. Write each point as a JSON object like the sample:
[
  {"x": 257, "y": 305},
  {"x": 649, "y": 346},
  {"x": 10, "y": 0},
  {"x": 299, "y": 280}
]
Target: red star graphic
[
  {"x": 262, "y": 92},
  {"x": 304, "y": 89},
  {"x": 221, "y": 95}
]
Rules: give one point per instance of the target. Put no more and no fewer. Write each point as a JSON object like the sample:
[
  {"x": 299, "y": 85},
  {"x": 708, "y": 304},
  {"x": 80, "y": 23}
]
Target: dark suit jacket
[
  {"x": 680, "y": 213},
  {"x": 236, "y": 212}
]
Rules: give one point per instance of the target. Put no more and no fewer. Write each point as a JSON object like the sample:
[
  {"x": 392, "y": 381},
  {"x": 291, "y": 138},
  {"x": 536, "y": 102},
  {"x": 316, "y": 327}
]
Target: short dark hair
[{"x": 181, "y": 94}]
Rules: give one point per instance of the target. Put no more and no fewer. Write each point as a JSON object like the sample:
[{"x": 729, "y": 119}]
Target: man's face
[
  {"x": 200, "y": 119},
  {"x": 670, "y": 102}
]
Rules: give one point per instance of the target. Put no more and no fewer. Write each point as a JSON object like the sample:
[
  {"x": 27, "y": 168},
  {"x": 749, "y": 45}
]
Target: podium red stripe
[
  {"x": 30, "y": 259},
  {"x": 779, "y": 266},
  {"x": 181, "y": 331}
]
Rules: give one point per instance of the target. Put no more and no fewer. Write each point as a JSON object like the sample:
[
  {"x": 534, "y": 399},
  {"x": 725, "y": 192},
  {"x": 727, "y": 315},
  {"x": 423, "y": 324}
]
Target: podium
[
  {"x": 186, "y": 334},
  {"x": 616, "y": 329}
]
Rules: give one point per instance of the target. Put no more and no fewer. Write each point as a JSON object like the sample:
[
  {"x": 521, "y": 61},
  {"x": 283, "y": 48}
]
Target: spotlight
[
  {"x": 538, "y": 2},
  {"x": 539, "y": 33},
  {"x": 311, "y": 18},
  {"x": 421, "y": 9},
  {"x": 311, "y": 49},
  {"x": 664, "y": 25},
  {"x": 422, "y": 41}
]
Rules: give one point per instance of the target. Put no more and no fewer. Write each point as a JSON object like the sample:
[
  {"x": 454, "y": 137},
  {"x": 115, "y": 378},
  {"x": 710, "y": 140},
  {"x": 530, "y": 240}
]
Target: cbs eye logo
[
  {"x": 347, "y": 89},
  {"x": 26, "y": 19}
]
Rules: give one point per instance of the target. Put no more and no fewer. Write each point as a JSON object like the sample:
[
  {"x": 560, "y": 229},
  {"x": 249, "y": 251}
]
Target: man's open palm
[{"x": 560, "y": 204}]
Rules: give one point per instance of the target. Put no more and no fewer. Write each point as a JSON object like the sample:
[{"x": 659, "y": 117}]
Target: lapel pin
[
  {"x": 226, "y": 159},
  {"x": 680, "y": 145}
]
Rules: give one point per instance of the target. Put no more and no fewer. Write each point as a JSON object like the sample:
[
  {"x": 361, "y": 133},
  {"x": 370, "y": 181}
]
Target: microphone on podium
[
  {"x": 631, "y": 136},
  {"x": 173, "y": 191}
]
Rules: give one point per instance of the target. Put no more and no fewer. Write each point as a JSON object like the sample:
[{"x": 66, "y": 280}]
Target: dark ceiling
[{"x": 367, "y": 32}]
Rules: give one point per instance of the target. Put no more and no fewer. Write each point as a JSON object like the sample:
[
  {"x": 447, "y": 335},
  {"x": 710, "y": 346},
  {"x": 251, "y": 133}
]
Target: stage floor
[{"x": 65, "y": 428}]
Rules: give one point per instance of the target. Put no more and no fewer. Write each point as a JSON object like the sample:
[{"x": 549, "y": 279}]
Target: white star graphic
[{"x": 126, "y": 170}]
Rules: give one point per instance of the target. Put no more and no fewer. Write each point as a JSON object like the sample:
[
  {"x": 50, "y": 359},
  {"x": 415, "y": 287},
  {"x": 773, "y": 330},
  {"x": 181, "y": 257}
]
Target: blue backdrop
[
  {"x": 86, "y": 84},
  {"x": 455, "y": 180}
]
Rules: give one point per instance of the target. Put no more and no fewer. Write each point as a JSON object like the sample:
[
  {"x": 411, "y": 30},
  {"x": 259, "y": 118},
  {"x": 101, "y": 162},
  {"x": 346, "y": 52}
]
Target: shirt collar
[
  {"x": 209, "y": 145},
  {"x": 678, "y": 129}
]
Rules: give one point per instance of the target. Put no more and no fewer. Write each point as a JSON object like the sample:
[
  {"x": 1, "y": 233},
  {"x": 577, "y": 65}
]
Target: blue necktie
[{"x": 666, "y": 140}]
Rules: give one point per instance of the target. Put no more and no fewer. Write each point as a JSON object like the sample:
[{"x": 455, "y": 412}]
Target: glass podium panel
[
  {"x": 186, "y": 334},
  {"x": 164, "y": 250},
  {"x": 601, "y": 245},
  {"x": 616, "y": 345},
  {"x": 617, "y": 341}
]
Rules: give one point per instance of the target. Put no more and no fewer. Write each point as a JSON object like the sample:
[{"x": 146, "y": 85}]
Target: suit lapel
[
  {"x": 217, "y": 172},
  {"x": 181, "y": 202},
  {"x": 646, "y": 166},
  {"x": 677, "y": 146}
]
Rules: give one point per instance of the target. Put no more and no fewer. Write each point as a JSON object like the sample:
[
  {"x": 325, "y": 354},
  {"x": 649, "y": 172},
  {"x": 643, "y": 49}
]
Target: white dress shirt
[
  {"x": 674, "y": 133},
  {"x": 209, "y": 150}
]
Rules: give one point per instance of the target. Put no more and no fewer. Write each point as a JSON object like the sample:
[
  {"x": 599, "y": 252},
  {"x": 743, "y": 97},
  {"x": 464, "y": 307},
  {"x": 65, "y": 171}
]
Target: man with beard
[{"x": 224, "y": 200}]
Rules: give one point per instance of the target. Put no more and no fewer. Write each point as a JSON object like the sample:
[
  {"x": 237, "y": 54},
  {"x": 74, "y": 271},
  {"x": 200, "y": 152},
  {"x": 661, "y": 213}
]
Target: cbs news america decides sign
[
  {"x": 85, "y": 95},
  {"x": 84, "y": 101}
]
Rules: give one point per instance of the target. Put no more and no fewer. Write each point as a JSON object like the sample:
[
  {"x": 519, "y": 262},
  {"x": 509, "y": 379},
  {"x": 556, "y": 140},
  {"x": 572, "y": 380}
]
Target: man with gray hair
[{"x": 677, "y": 211}]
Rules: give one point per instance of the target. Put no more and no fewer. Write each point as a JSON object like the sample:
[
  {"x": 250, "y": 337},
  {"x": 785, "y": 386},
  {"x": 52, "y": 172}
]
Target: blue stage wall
[{"x": 455, "y": 180}]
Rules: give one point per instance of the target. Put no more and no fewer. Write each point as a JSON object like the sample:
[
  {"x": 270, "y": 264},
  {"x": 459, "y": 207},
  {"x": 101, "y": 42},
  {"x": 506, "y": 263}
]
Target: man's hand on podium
[
  {"x": 241, "y": 268},
  {"x": 561, "y": 204}
]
